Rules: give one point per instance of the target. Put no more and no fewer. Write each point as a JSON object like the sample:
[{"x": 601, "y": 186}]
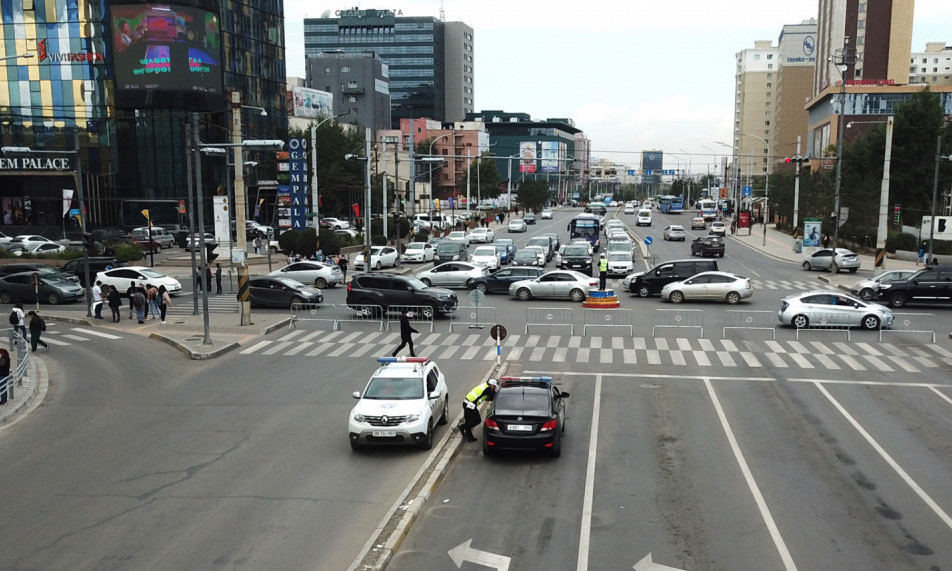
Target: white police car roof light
[
  {"x": 402, "y": 359},
  {"x": 539, "y": 379}
]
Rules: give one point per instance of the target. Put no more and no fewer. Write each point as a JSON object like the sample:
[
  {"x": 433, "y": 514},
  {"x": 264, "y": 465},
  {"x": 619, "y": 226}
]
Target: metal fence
[
  {"x": 473, "y": 317},
  {"x": 18, "y": 346},
  {"x": 558, "y": 316},
  {"x": 912, "y": 323},
  {"x": 337, "y": 314},
  {"x": 419, "y": 314},
  {"x": 824, "y": 322},
  {"x": 608, "y": 318},
  {"x": 757, "y": 320},
  {"x": 680, "y": 318}
]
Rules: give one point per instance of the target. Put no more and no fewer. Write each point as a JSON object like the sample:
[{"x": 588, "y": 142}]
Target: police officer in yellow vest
[
  {"x": 602, "y": 272},
  {"x": 481, "y": 392}
]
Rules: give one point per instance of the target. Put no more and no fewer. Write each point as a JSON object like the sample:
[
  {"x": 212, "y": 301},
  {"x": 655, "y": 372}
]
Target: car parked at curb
[
  {"x": 402, "y": 403},
  {"x": 525, "y": 414},
  {"x": 52, "y": 289}
]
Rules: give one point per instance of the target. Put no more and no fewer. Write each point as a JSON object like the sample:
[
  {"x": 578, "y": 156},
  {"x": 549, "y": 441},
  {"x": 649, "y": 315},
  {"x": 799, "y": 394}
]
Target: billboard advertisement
[
  {"x": 527, "y": 157},
  {"x": 652, "y": 160},
  {"x": 311, "y": 103},
  {"x": 550, "y": 156},
  {"x": 167, "y": 55},
  {"x": 812, "y": 232}
]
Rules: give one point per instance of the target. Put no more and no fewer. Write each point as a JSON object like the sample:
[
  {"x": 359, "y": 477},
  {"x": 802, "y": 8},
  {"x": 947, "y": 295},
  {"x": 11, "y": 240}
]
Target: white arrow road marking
[
  {"x": 463, "y": 552},
  {"x": 646, "y": 564}
]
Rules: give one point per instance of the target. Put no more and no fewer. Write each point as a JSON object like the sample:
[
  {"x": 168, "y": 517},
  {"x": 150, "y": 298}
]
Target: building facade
[
  {"x": 756, "y": 77},
  {"x": 431, "y": 62},
  {"x": 933, "y": 66},
  {"x": 359, "y": 84},
  {"x": 68, "y": 97},
  {"x": 794, "y": 85}
]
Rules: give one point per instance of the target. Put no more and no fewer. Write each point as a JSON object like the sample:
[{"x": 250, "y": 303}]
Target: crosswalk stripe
[
  {"x": 300, "y": 346},
  {"x": 618, "y": 342},
  {"x": 903, "y": 364},
  {"x": 584, "y": 355},
  {"x": 654, "y": 357},
  {"x": 363, "y": 350},
  {"x": 595, "y": 342},
  {"x": 343, "y": 349},
  {"x": 254, "y": 347},
  {"x": 606, "y": 356},
  {"x": 677, "y": 358},
  {"x": 554, "y": 341},
  {"x": 319, "y": 349},
  {"x": 776, "y": 360},
  {"x": 278, "y": 347},
  {"x": 54, "y": 341},
  {"x": 701, "y": 358},
  {"x": 470, "y": 353},
  {"x": 640, "y": 343},
  {"x": 826, "y": 361},
  {"x": 801, "y": 361},
  {"x": 726, "y": 359},
  {"x": 516, "y": 353},
  {"x": 879, "y": 364},
  {"x": 536, "y": 354},
  {"x": 575, "y": 342},
  {"x": 314, "y": 334},
  {"x": 448, "y": 353},
  {"x": 852, "y": 363},
  {"x": 750, "y": 359},
  {"x": 291, "y": 335},
  {"x": 629, "y": 356},
  {"x": 74, "y": 337},
  {"x": 559, "y": 355},
  {"x": 96, "y": 333}
]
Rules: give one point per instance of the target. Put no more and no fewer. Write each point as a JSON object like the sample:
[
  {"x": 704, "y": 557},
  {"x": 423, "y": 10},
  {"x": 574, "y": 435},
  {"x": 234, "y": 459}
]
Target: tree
[
  {"x": 338, "y": 179},
  {"x": 482, "y": 172},
  {"x": 533, "y": 194}
]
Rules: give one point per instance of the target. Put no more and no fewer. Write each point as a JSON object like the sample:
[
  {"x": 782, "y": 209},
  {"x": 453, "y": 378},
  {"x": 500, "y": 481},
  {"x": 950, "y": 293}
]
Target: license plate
[
  {"x": 520, "y": 427},
  {"x": 385, "y": 433}
]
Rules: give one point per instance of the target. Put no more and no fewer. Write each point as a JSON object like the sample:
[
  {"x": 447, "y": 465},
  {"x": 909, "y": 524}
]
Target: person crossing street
[{"x": 481, "y": 392}]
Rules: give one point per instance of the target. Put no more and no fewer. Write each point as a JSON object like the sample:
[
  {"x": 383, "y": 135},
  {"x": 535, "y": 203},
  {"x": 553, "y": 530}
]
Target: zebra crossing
[
  {"x": 65, "y": 337},
  {"x": 853, "y": 356}
]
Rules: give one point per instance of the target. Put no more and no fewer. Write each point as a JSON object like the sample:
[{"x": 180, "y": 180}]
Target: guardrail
[
  {"x": 912, "y": 323},
  {"x": 10, "y": 383},
  {"x": 824, "y": 322},
  {"x": 337, "y": 314},
  {"x": 417, "y": 315},
  {"x": 474, "y": 317},
  {"x": 744, "y": 319},
  {"x": 680, "y": 318},
  {"x": 558, "y": 316},
  {"x": 608, "y": 318}
]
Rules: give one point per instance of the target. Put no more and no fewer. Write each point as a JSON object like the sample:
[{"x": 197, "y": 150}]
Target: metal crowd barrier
[
  {"x": 608, "y": 318},
  {"x": 912, "y": 323},
  {"x": 743, "y": 319},
  {"x": 337, "y": 314},
  {"x": 824, "y": 322},
  {"x": 680, "y": 318},
  {"x": 550, "y": 316},
  {"x": 474, "y": 317},
  {"x": 18, "y": 345},
  {"x": 419, "y": 314}
]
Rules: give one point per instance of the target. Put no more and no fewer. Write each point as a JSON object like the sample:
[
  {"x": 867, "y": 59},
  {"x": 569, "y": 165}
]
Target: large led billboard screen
[{"x": 167, "y": 55}]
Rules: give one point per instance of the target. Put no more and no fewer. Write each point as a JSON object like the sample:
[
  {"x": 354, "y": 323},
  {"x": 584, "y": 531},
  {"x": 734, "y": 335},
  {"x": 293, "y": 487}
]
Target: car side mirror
[
  {"x": 357, "y": 395},
  {"x": 563, "y": 395},
  {"x": 434, "y": 395}
]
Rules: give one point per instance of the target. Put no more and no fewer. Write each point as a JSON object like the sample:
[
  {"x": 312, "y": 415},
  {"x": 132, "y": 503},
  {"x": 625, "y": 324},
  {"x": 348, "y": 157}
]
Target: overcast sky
[{"x": 633, "y": 75}]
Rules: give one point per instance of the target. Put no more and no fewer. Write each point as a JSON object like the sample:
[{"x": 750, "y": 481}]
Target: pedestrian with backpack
[
  {"x": 139, "y": 302},
  {"x": 18, "y": 320},
  {"x": 37, "y": 327}
]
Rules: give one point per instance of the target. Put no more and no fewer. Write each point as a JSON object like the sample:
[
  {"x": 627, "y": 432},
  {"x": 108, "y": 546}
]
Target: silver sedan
[
  {"x": 825, "y": 259},
  {"x": 452, "y": 274},
  {"x": 827, "y": 308},
  {"x": 719, "y": 286},
  {"x": 561, "y": 284},
  {"x": 321, "y": 274}
]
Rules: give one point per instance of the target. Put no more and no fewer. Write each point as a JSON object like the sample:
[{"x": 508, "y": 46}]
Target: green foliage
[
  {"x": 306, "y": 242},
  {"x": 287, "y": 241},
  {"x": 128, "y": 252},
  {"x": 337, "y": 178},
  {"x": 901, "y": 241},
  {"x": 483, "y": 179},
  {"x": 67, "y": 254},
  {"x": 329, "y": 242},
  {"x": 533, "y": 194},
  {"x": 378, "y": 240}
]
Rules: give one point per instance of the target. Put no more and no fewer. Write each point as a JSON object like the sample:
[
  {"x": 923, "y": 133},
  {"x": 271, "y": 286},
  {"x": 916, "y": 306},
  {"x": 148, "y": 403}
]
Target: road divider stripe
[{"x": 589, "y": 493}]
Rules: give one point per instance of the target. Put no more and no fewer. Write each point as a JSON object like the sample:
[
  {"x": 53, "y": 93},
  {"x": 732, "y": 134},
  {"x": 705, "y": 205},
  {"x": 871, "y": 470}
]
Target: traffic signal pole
[
  {"x": 203, "y": 267},
  {"x": 244, "y": 294}
]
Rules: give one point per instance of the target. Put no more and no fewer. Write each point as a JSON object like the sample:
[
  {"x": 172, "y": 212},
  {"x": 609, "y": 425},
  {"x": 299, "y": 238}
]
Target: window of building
[
  {"x": 345, "y": 69},
  {"x": 351, "y": 99},
  {"x": 327, "y": 71},
  {"x": 769, "y": 85},
  {"x": 766, "y": 122},
  {"x": 768, "y": 94},
  {"x": 769, "y": 66},
  {"x": 756, "y": 56},
  {"x": 769, "y": 56}
]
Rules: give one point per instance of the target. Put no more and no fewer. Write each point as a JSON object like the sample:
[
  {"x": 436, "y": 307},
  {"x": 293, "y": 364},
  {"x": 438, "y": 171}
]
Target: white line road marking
[
  {"x": 826, "y": 362},
  {"x": 605, "y": 355},
  {"x": 554, "y": 341},
  {"x": 584, "y": 355},
  {"x": 575, "y": 342},
  {"x": 342, "y": 349},
  {"x": 54, "y": 341},
  {"x": 852, "y": 363},
  {"x": 654, "y": 357},
  {"x": 589, "y": 494},
  {"x": 301, "y": 345},
  {"x": 448, "y": 353},
  {"x": 661, "y": 343},
  {"x": 630, "y": 357},
  {"x": 559, "y": 356},
  {"x": 470, "y": 353},
  {"x": 684, "y": 344},
  {"x": 279, "y": 346},
  {"x": 677, "y": 358},
  {"x": 319, "y": 349},
  {"x": 889, "y": 459},
  {"x": 785, "y": 555},
  {"x": 516, "y": 353},
  {"x": 363, "y": 350},
  {"x": 291, "y": 335},
  {"x": 775, "y": 360},
  {"x": 878, "y": 364},
  {"x": 726, "y": 360},
  {"x": 618, "y": 342},
  {"x": 750, "y": 359},
  {"x": 68, "y": 336},
  {"x": 595, "y": 343},
  {"x": 801, "y": 361},
  {"x": 255, "y": 347},
  {"x": 96, "y": 333},
  {"x": 702, "y": 359},
  {"x": 904, "y": 364}
]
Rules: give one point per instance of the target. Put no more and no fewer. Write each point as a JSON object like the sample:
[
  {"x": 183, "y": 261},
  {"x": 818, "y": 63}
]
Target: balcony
[{"x": 352, "y": 89}]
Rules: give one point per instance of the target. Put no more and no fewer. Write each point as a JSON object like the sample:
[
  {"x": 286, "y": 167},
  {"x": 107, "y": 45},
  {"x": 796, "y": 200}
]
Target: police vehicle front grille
[{"x": 391, "y": 420}]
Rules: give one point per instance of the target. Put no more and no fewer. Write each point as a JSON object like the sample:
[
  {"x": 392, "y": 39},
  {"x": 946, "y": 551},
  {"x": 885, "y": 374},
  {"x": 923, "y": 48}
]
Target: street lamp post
[
  {"x": 315, "y": 197},
  {"x": 842, "y": 66},
  {"x": 430, "y": 153},
  {"x": 766, "y": 188}
]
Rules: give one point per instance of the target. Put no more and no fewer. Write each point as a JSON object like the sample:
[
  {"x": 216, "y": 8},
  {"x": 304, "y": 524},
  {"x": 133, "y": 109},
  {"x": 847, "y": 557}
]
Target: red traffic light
[{"x": 788, "y": 159}]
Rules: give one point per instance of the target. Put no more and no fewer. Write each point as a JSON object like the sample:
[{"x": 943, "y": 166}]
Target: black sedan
[
  {"x": 527, "y": 413},
  {"x": 269, "y": 291},
  {"x": 499, "y": 281},
  {"x": 52, "y": 289}
]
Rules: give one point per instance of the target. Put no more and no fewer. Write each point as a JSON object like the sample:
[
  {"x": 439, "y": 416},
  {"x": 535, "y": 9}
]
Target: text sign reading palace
[{"x": 35, "y": 164}]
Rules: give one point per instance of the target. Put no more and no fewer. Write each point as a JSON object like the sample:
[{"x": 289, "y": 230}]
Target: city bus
[
  {"x": 585, "y": 226},
  {"x": 708, "y": 208},
  {"x": 670, "y": 204}
]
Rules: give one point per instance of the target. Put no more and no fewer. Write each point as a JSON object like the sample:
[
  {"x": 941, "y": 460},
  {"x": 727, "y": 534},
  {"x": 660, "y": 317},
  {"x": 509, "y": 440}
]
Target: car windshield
[
  {"x": 415, "y": 246},
  {"x": 491, "y": 251},
  {"x": 522, "y": 402},
  {"x": 619, "y": 257},
  {"x": 677, "y": 229},
  {"x": 575, "y": 251},
  {"x": 457, "y": 234},
  {"x": 382, "y": 388},
  {"x": 152, "y": 273},
  {"x": 416, "y": 284},
  {"x": 447, "y": 247}
]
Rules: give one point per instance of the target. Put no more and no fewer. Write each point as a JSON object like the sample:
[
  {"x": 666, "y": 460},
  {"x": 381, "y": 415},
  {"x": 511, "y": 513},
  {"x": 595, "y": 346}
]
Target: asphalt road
[{"x": 804, "y": 454}]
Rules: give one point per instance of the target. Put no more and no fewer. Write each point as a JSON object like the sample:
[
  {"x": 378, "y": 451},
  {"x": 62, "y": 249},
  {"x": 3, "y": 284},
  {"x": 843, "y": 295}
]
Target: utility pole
[
  {"x": 880, "y": 259},
  {"x": 241, "y": 207},
  {"x": 845, "y": 60}
]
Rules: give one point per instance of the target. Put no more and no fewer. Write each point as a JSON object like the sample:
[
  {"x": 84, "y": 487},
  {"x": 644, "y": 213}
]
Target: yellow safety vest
[
  {"x": 603, "y": 265},
  {"x": 478, "y": 394}
]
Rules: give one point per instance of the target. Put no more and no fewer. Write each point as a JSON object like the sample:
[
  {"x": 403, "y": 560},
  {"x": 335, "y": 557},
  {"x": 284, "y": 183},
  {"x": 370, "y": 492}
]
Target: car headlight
[
  {"x": 412, "y": 417},
  {"x": 360, "y": 418},
  {"x": 885, "y": 286}
]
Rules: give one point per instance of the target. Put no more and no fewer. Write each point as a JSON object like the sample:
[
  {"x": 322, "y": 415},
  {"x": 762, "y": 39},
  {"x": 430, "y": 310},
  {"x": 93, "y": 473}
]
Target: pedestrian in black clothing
[
  {"x": 342, "y": 263},
  {"x": 130, "y": 293},
  {"x": 115, "y": 302},
  {"x": 208, "y": 278},
  {"x": 218, "y": 278},
  {"x": 37, "y": 327},
  {"x": 405, "y": 330},
  {"x": 4, "y": 373}
]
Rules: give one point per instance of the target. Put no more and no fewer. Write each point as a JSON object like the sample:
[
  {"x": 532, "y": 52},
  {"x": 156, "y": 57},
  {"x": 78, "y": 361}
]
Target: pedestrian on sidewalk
[
  {"x": 4, "y": 373},
  {"x": 826, "y": 241},
  {"x": 97, "y": 300},
  {"x": 342, "y": 262},
  {"x": 405, "y": 333},
  {"x": 257, "y": 243},
  {"x": 217, "y": 278},
  {"x": 152, "y": 295},
  {"x": 37, "y": 327},
  {"x": 115, "y": 302},
  {"x": 20, "y": 325},
  {"x": 165, "y": 302},
  {"x": 208, "y": 278},
  {"x": 733, "y": 227},
  {"x": 130, "y": 293},
  {"x": 139, "y": 303},
  {"x": 922, "y": 255}
]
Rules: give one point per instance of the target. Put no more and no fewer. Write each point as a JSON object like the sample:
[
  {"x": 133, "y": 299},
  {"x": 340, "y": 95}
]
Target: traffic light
[
  {"x": 797, "y": 159},
  {"x": 897, "y": 215},
  {"x": 210, "y": 253}
]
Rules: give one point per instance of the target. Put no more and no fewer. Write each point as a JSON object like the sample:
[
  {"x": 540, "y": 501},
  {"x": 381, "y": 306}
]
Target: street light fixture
[{"x": 17, "y": 56}]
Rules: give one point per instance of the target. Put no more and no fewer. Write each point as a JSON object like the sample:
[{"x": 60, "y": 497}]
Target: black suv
[
  {"x": 77, "y": 267},
  {"x": 930, "y": 285},
  {"x": 651, "y": 282},
  {"x": 576, "y": 258},
  {"x": 387, "y": 290},
  {"x": 708, "y": 246}
]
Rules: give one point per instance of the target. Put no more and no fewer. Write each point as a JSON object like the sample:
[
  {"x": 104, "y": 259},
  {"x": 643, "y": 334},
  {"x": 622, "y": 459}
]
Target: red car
[{"x": 148, "y": 246}]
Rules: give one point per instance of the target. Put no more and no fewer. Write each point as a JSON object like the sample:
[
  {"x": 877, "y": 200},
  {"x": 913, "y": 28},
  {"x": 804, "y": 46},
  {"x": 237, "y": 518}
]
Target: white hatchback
[{"x": 485, "y": 256}]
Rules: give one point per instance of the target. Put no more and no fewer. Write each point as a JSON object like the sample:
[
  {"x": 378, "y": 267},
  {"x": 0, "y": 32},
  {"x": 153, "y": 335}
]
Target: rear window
[{"x": 522, "y": 401}]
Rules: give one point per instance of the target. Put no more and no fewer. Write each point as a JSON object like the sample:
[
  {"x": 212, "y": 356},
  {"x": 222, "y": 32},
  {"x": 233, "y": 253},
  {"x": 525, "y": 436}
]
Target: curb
[
  {"x": 396, "y": 524},
  {"x": 39, "y": 389},
  {"x": 195, "y": 355}
]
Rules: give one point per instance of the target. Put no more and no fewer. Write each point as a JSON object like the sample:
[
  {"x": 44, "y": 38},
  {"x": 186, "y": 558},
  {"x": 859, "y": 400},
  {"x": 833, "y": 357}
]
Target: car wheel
[
  {"x": 446, "y": 407},
  {"x": 676, "y": 297},
  {"x": 556, "y": 450},
  {"x": 378, "y": 266},
  {"x": 836, "y": 268},
  {"x": 800, "y": 321},
  {"x": 806, "y": 266},
  {"x": 53, "y": 299},
  {"x": 427, "y": 282},
  {"x": 853, "y": 270},
  {"x": 733, "y": 298},
  {"x": 523, "y": 294},
  {"x": 481, "y": 286},
  {"x": 870, "y": 322},
  {"x": 866, "y": 294},
  {"x": 643, "y": 291},
  {"x": 5, "y": 297},
  {"x": 272, "y": 249},
  {"x": 897, "y": 299},
  {"x": 487, "y": 449},
  {"x": 429, "y": 311},
  {"x": 355, "y": 446},
  {"x": 296, "y": 303},
  {"x": 320, "y": 283},
  {"x": 577, "y": 295},
  {"x": 427, "y": 441}
]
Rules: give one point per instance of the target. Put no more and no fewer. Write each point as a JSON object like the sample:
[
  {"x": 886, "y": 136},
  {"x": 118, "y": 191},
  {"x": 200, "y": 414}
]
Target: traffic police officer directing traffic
[
  {"x": 481, "y": 392},
  {"x": 602, "y": 272}
]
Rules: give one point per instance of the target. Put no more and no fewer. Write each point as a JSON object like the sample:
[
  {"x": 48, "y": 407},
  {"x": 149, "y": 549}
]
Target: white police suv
[{"x": 402, "y": 404}]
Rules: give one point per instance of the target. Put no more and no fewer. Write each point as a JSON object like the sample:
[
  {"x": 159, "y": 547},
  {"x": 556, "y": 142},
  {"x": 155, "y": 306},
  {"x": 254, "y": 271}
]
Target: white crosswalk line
[
  {"x": 595, "y": 342},
  {"x": 537, "y": 354},
  {"x": 618, "y": 342},
  {"x": 654, "y": 357},
  {"x": 279, "y": 346},
  {"x": 677, "y": 358},
  {"x": 342, "y": 349},
  {"x": 701, "y": 358},
  {"x": 903, "y": 364},
  {"x": 559, "y": 355},
  {"x": 319, "y": 349},
  {"x": 254, "y": 347},
  {"x": 801, "y": 361},
  {"x": 298, "y": 347},
  {"x": 878, "y": 364},
  {"x": 54, "y": 341},
  {"x": 470, "y": 353},
  {"x": 553, "y": 341},
  {"x": 726, "y": 359},
  {"x": 750, "y": 359},
  {"x": 70, "y": 336},
  {"x": 826, "y": 362},
  {"x": 684, "y": 344},
  {"x": 291, "y": 335},
  {"x": 96, "y": 333},
  {"x": 640, "y": 343},
  {"x": 583, "y": 355},
  {"x": 852, "y": 363},
  {"x": 448, "y": 352},
  {"x": 606, "y": 356},
  {"x": 630, "y": 356},
  {"x": 776, "y": 360}
]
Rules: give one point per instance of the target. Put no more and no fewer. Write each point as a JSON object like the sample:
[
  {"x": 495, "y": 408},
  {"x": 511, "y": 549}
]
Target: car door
[
  {"x": 821, "y": 260},
  {"x": 19, "y": 286},
  {"x": 443, "y": 274},
  {"x": 928, "y": 287},
  {"x": 698, "y": 287},
  {"x": 499, "y": 281},
  {"x": 847, "y": 311}
]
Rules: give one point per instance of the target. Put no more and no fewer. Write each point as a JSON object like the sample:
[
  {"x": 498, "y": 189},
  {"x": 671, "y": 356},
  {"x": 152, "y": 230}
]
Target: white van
[
  {"x": 436, "y": 220},
  {"x": 644, "y": 217}
]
